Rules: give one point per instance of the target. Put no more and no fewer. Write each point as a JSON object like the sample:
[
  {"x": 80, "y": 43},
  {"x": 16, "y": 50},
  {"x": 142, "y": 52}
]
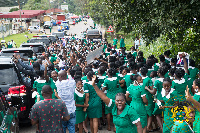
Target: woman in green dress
[
  {"x": 122, "y": 44},
  {"x": 111, "y": 84},
  {"x": 170, "y": 101},
  {"x": 135, "y": 94},
  {"x": 147, "y": 82},
  {"x": 79, "y": 97},
  {"x": 179, "y": 84},
  {"x": 38, "y": 84},
  {"x": 158, "y": 85},
  {"x": 196, "y": 123},
  {"x": 94, "y": 110},
  {"x": 125, "y": 117},
  {"x": 51, "y": 81},
  {"x": 115, "y": 43}
]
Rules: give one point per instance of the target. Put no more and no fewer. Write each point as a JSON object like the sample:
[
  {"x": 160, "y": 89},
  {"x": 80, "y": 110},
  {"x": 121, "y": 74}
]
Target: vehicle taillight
[
  {"x": 28, "y": 29},
  {"x": 23, "y": 108},
  {"x": 18, "y": 90}
]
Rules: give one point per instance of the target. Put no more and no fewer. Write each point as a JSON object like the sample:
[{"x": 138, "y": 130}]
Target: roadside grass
[
  {"x": 128, "y": 40},
  {"x": 19, "y": 38}
]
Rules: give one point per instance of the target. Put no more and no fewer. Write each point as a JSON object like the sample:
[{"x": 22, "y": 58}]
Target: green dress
[
  {"x": 149, "y": 71},
  {"x": 196, "y": 123},
  {"x": 169, "y": 101},
  {"x": 156, "y": 66},
  {"x": 134, "y": 53},
  {"x": 84, "y": 79},
  {"x": 122, "y": 44},
  {"x": 193, "y": 72},
  {"x": 125, "y": 122},
  {"x": 158, "y": 85},
  {"x": 115, "y": 42},
  {"x": 180, "y": 87},
  {"x": 150, "y": 107},
  {"x": 167, "y": 60},
  {"x": 179, "y": 127},
  {"x": 112, "y": 89},
  {"x": 123, "y": 89},
  {"x": 52, "y": 84},
  {"x": 38, "y": 84},
  {"x": 136, "y": 93},
  {"x": 94, "y": 109},
  {"x": 80, "y": 99},
  {"x": 128, "y": 79}
]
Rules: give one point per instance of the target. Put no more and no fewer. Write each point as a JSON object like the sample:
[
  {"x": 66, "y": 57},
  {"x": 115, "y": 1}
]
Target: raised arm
[
  {"x": 102, "y": 95},
  {"x": 153, "y": 91},
  {"x": 185, "y": 63},
  {"x": 45, "y": 73},
  {"x": 189, "y": 98}
]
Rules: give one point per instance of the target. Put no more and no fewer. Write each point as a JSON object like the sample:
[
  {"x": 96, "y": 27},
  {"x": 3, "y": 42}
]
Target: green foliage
[
  {"x": 177, "y": 20},
  {"x": 98, "y": 12},
  {"x": 36, "y": 5},
  {"x": 14, "y": 9},
  {"x": 157, "y": 47}
]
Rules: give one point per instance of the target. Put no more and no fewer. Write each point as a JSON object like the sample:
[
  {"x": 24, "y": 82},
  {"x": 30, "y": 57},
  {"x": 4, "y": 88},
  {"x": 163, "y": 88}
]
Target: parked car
[
  {"x": 48, "y": 25},
  {"x": 38, "y": 48},
  {"x": 94, "y": 35},
  {"x": 23, "y": 52},
  {"x": 59, "y": 35},
  {"x": 45, "y": 41},
  {"x": 52, "y": 38},
  {"x": 17, "y": 89},
  {"x": 35, "y": 29}
]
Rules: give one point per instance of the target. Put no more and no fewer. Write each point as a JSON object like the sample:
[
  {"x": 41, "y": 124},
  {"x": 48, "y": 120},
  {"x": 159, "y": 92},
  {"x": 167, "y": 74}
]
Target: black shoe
[{"x": 104, "y": 124}]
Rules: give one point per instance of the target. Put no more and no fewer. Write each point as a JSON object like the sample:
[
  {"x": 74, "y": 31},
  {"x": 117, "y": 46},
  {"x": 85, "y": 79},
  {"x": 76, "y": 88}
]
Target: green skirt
[
  {"x": 156, "y": 110},
  {"x": 80, "y": 116}
]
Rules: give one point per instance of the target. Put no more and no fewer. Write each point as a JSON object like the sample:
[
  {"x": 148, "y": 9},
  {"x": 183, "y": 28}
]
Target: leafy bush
[
  {"x": 14, "y": 9},
  {"x": 157, "y": 47}
]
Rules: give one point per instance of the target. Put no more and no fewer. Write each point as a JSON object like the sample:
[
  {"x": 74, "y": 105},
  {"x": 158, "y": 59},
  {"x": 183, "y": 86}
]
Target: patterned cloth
[{"x": 49, "y": 113}]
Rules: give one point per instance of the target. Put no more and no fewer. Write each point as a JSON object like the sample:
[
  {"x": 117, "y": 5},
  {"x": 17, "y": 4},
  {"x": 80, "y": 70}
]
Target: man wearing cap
[{"x": 49, "y": 113}]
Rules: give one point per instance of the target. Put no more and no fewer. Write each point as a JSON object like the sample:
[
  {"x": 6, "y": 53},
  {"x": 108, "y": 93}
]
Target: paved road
[{"x": 74, "y": 29}]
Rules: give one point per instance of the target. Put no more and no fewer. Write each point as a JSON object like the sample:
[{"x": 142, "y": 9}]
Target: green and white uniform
[
  {"x": 169, "y": 101},
  {"x": 112, "y": 89},
  {"x": 125, "y": 122},
  {"x": 158, "y": 85},
  {"x": 94, "y": 109},
  {"x": 196, "y": 123},
  {"x": 38, "y": 84},
  {"x": 136, "y": 93},
  {"x": 150, "y": 107},
  {"x": 80, "y": 99},
  {"x": 180, "y": 87}
]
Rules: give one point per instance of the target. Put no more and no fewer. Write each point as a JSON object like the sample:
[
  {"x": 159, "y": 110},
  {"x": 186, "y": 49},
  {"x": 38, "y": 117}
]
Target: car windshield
[
  {"x": 8, "y": 75},
  {"x": 36, "y": 48},
  {"x": 24, "y": 54},
  {"x": 61, "y": 34},
  {"x": 46, "y": 41}
]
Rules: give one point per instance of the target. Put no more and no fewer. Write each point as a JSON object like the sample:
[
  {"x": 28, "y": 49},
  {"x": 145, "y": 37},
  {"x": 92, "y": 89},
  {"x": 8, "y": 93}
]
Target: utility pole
[{"x": 20, "y": 12}]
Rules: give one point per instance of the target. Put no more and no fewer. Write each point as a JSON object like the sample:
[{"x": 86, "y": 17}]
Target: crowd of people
[{"x": 136, "y": 94}]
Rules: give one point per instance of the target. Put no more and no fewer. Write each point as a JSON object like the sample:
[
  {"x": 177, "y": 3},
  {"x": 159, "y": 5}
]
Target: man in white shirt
[{"x": 65, "y": 89}]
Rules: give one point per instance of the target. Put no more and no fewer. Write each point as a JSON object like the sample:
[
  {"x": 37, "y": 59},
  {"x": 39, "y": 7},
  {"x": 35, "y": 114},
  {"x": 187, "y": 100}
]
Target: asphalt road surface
[{"x": 74, "y": 29}]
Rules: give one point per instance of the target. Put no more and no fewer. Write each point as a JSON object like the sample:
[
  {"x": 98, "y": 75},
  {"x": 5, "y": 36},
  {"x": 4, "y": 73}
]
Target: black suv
[
  {"x": 45, "y": 41},
  {"x": 17, "y": 88},
  {"x": 38, "y": 48}
]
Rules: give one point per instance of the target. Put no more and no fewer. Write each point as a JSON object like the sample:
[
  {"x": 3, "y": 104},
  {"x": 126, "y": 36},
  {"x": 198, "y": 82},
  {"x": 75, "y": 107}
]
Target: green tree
[
  {"x": 36, "y": 5},
  {"x": 178, "y": 20}
]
